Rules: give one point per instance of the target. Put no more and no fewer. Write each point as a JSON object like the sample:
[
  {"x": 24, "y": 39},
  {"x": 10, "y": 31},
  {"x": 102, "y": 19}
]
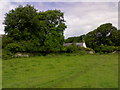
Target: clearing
[{"x": 62, "y": 71}]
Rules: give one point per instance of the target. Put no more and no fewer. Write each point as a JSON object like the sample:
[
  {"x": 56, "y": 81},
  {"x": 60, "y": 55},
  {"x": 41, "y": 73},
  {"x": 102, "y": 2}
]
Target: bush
[
  {"x": 118, "y": 48},
  {"x": 71, "y": 49},
  {"x": 106, "y": 49},
  {"x": 89, "y": 49},
  {"x": 14, "y": 47},
  {"x": 6, "y": 40},
  {"x": 6, "y": 54},
  {"x": 68, "y": 49},
  {"x": 76, "y": 49}
]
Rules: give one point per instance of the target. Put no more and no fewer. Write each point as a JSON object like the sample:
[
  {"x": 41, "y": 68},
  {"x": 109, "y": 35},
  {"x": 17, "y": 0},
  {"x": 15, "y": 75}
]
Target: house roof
[
  {"x": 78, "y": 44},
  {"x": 67, "y": 44}
]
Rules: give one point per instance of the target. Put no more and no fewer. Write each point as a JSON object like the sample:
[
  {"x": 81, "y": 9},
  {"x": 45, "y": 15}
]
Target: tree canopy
[
  {"x": 105, "y": 34},
  {"x": 33, "y": 30},
  {"x": 75, "y": 39},
  {"x": 30, "y": 30}
]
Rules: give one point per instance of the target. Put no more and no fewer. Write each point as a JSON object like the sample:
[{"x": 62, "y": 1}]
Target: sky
[{"x": 80, "y": 17}]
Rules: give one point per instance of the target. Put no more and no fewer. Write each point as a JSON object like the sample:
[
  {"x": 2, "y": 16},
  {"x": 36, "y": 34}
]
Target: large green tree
[
  {"x": 105, "y": 34},
  {"x": 19, "y": 22},
  {"x": 35, "y": 31}
]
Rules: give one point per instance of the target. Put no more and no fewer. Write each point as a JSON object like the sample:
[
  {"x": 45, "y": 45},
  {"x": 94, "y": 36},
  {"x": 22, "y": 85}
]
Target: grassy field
[{"x": 61, "y": 71}]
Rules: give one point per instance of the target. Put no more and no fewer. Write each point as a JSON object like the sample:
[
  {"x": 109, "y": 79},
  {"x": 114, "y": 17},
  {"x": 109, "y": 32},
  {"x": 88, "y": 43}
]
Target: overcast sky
[{"x": 81, "y": 17}]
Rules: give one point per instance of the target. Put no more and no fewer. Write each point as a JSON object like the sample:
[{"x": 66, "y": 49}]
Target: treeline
[
  {"x": 76, "y": 39},
  {"x": 30, "y": 30},
  {"x": 103, "y": 39}
]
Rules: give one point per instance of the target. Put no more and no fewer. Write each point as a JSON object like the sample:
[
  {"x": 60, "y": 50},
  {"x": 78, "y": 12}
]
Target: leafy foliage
[
  {"x": 6, "y": 40},
  {"x": 19, "y": 23},
  {"x": 75, "y": 39},
  {"x": 28, "y": 30},
  {"x": 6, "y": 54},
  {"x": 31, "y": 31},
  {"x": 105, "y": 34},
  {"x": 104, "y": 38},
  {"x": 106, "y": 49},
  {"x": 76, "y": 49},
  {"x": 14, "y": 47}
]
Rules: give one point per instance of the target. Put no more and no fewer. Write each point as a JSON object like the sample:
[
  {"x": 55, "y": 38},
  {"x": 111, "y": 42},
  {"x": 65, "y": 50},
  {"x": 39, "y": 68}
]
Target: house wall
[{"x": 77, "y": 44}]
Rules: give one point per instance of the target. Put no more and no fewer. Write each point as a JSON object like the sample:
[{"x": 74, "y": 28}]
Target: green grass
[{"x": 61, "y": 71}]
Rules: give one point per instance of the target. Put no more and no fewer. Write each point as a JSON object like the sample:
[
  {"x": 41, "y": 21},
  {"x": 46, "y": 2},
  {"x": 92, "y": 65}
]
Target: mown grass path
[{"x": 61, "y": 71}]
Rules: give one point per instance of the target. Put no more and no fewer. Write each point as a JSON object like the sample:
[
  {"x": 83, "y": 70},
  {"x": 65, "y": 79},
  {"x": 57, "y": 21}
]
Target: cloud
[
  {"x": 85, "y": 17},
  {"x": 2, "y": 10},
  {"x": 81, "y": 17},
  {"x": 5, "y": 6}
]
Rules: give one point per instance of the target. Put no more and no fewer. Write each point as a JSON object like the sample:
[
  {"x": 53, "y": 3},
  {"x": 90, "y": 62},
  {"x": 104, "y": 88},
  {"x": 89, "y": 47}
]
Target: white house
[{"x": 82, "y": 44}]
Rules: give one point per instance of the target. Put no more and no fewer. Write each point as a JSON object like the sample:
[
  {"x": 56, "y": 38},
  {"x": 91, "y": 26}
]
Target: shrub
[
  {"x": 14, "y": 47},
  {"x": 6, "y": 40},
  {"x": 89, "y": 49},
  {"x": 6, "y": 54},
  {"x": 118, "y": 48},
  {"x": 106, "y": 49},
  {"x": 77, "y": 49},
  {"x": 64, "y": 49},
  {"x": 72, "y": 48}
]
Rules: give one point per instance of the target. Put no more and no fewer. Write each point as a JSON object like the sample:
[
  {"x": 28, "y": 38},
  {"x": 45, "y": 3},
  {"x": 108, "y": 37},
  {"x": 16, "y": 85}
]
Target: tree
[
  {"x": 105, "y": 34},
  {"x": 35, "y": 31},
  {"x": 118, "y": 38},
  {"x": 52, "y": 26},
  {"x": 75, "y": 39},
  {"x": 19, "y": 23}
]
